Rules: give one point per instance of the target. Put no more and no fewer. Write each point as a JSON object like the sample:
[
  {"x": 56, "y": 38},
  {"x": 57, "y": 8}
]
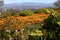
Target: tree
[
  {"x": 50, "y": 24},
  {"x": 57, "y": 3}
]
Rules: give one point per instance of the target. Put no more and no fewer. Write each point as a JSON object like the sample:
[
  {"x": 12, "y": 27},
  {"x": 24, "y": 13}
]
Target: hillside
[{"x": 28, "y": 5}]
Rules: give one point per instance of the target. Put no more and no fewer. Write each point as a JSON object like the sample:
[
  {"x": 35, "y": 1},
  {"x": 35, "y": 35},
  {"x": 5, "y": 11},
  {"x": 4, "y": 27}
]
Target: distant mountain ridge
[{"x": 28, "y": 5}]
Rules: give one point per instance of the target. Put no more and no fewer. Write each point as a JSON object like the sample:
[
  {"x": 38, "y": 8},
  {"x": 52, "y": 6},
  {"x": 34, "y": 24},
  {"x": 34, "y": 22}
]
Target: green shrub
[{"x": 26, "y": 13}]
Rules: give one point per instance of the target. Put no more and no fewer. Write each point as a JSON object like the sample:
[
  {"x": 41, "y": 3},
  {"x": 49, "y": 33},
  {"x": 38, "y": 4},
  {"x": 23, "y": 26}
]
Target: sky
[{"x": 21, "y": 1}]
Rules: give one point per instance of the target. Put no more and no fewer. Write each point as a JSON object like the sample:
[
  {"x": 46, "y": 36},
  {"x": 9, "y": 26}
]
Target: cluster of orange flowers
[
  {"x": 18, "y": 22},
  {"x": 36, "y": 18}
]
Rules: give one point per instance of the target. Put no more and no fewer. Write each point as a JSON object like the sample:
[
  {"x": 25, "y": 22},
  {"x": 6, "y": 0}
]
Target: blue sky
[{"x": 20, "y": 1}]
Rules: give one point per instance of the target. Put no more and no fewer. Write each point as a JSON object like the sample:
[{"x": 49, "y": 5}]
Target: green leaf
[{"x": 58, "y": 22}]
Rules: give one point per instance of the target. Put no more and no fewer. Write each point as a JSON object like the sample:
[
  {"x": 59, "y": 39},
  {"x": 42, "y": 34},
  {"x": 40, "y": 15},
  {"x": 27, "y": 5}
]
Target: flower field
[{"x": 21, "y": 25}]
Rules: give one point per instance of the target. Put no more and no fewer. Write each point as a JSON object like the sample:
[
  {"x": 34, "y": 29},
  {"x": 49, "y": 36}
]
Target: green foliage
[
  {"x": 58, "y": 22},
  {"x": 26, "y": 13},
  {"x": 43, "y": 10}
]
